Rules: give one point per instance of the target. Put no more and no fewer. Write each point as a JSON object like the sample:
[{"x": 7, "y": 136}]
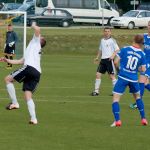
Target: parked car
[
  {"x": 10, "y": 6},
  {"x": 132, "y": 19},
  {"x": 27, "y": 7},
  {"x": 52, "y": 17},
  {"x": 144, "y": 6}
]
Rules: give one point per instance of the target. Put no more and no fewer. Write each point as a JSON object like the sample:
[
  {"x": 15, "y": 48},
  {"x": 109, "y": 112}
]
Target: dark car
[
  {"x": 52, "y": 17},
  {"x": 10, "y": 6},
  {"x": 28, "y": 7}
]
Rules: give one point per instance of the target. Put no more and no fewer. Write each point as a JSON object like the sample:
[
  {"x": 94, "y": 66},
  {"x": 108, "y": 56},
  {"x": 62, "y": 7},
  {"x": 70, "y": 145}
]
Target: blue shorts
[
  {"x": 121, "y": 85},
  {"x": 147, "y": 72}
]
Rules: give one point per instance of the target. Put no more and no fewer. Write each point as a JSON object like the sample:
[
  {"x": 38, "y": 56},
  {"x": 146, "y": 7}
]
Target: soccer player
[
  {"x": 107, "y": 51},
  {"x": 143, "y": 80},
  {"x": 9, "y": 48},
  {"x": 29, "y": 74},
  {"x": 131, "y": 59}
]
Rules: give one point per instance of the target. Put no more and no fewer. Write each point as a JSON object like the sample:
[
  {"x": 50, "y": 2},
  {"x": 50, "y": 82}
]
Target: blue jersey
[
  {"x": 147, "y": 47},
  {"x": 131, "y": 59}
]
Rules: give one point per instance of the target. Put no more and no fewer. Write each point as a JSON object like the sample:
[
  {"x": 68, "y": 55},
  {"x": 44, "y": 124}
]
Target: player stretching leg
[
  {"x": 107, "y": 51},
  {"x": 131, "y": 59},
  {"x": 29, "y": 74}
]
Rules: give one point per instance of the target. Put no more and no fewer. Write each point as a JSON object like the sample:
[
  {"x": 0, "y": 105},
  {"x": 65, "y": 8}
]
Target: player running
[
  {"x": 107, "y": 51},
  {"x": 131, "y": 59},
  {"x": 29, "y": 74}
]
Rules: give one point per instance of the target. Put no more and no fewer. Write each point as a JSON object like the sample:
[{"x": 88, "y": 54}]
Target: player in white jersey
[
  {"x": 29, "y": 74},
  {"x": 107, "y": 51}
]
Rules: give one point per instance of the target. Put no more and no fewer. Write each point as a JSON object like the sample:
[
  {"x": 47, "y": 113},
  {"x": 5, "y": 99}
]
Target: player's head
[
  {"x": 107, "y": 32},
  {"x": 148, "y": 27},
  {"x": 43, "y": 42},
  {"x": 138, "y": 39},
  {"x": 10, "y": 27}
]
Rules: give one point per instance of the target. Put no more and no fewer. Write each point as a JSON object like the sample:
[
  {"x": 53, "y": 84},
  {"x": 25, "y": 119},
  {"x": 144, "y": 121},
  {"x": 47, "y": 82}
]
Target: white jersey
[
  {"x": 32, "y": 56},
  {"x": 108, "y": 47}
]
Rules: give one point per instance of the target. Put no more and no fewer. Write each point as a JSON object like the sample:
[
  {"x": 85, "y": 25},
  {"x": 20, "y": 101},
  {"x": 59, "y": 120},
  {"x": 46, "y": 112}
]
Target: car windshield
[
  {"x": 23, "y": 7},
  {"x": 131, "y": 14}
]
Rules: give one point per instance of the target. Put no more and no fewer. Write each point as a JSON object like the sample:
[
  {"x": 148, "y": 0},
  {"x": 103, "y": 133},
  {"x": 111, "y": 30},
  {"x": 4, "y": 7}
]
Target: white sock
[
  {"x": 12, "y": 93},
  {"x": 97, "y": 85},
  {"x": 31, "y": 108},
  {"x": 114, "y": 82}
]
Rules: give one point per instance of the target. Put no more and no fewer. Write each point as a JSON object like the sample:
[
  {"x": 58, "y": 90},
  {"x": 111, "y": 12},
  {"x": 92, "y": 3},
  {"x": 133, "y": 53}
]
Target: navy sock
[
  {"x": 147, "y": 87},
  {"x": 116, "y": 110},
  {"x": 142, "y": 86},
  {"x": 140, "y": 106}
]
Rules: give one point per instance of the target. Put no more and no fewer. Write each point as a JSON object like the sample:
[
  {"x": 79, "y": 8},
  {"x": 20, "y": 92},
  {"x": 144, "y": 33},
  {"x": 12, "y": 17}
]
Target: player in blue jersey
[
  {"x": 143, "y": 80},
  {"x": 131, "y": 60}
]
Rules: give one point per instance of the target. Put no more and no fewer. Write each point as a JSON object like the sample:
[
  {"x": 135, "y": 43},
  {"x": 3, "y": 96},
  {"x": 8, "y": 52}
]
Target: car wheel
[
  {"x": 108, "y": 23},
  {"x": 141, "y": 27},
  {"x": 65, "y": 24},
  {"x": 131, "y": 25},
  {"x": 116, "y": 27}
]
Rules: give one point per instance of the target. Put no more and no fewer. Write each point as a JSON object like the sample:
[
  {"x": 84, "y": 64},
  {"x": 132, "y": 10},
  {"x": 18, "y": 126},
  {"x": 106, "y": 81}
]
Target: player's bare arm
[
  {"x": 14, "y": 62},
  {"x": 96, "y": 59},
  {"x": 36, "y": 29},
  {"x": 114, "y": 54}
]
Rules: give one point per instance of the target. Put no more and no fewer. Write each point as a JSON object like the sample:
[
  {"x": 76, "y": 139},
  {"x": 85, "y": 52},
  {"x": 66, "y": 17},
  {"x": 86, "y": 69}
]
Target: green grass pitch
[{"x": 69, "y": 118}]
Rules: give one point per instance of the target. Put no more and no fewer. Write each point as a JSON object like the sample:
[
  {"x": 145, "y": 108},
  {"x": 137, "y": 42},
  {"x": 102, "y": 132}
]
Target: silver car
[{"x": 132, "y": 19}]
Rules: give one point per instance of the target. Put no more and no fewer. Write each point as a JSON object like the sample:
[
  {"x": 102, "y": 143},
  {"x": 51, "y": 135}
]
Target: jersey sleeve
[{"x": 115, "y": 45}]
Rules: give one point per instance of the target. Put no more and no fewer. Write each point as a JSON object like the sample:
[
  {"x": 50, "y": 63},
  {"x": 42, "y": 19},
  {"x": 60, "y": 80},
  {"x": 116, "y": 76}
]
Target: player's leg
[
  {"x": 12, "y": 93},
  {"x": 97, "y": 84},
  {"x": 111, "y": 71},
  {"x": 18, "y": 75},
  {"x": 29, "y": 86},
  {"x": 6, "y": 52},
  {"x": 142, "y": 80},
  {"x": 135, "y": 89},
  {"x": 31, "y": 107},
  {"x": 118, "y": 90},
  {"x": 100, "y": 70}
]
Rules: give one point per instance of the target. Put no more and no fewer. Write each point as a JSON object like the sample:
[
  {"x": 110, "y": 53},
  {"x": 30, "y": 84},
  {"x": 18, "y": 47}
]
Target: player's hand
[
  {"x": 11, "y": 44},
  {"x": 96, "y": 61},
  {"x": 33, "y": 24},
  {"x": 111, "y": 58},
  {"x": 3, "y": 59}
]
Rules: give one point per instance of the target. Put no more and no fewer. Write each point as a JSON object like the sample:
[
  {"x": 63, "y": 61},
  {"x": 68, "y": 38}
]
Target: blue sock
[
  {"x": 147, "y": 87},
  {"x": 140, "y": 106},
  {"x": 142, "y": 86},
  {"x": 116, "y": 110}
]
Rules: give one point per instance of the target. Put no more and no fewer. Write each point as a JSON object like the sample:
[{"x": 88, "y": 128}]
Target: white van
[{"x": 85, "y": 11}]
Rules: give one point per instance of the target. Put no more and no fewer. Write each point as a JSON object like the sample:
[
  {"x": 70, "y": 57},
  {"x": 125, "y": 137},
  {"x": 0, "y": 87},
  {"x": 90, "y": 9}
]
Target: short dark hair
[
  {"x": 139, "y": 39},
  {"x": 107, "y": 28},
  {"x": 43, "y": 42},
  {"x": 9, "y": 24}
]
